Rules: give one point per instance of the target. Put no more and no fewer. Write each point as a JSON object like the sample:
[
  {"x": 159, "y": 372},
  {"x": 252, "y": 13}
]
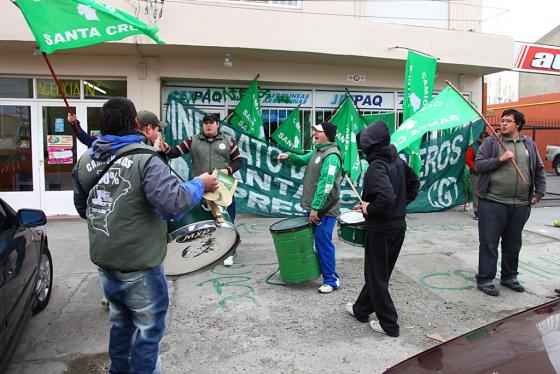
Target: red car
[{"x": 526, "y": 342}]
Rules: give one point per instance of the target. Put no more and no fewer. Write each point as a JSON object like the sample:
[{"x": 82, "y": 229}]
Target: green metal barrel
[{"x": 293, "y": 240}]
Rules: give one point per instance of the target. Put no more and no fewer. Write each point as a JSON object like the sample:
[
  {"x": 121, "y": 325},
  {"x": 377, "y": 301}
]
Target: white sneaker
[
  {"x": 350, "y": 308},
  {"x": 228, "y": 261},
  {"x": 105, "y": 302},
  {"x": 376, "y": 326},
  {"x": 325, "y": 288}
]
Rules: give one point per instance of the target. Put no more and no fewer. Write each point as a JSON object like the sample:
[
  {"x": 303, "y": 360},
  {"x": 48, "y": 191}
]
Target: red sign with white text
[{"x": 537, "y": 58}]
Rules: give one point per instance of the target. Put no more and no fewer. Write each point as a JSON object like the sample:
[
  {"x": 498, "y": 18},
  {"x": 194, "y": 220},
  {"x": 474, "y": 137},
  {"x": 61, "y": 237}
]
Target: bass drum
[{"x": 196, "y": 241}]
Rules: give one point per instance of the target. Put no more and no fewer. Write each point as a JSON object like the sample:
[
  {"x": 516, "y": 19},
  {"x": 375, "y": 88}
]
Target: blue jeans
[
  {"x": 138, "y": 306},
  {"x": 326, "y": 251}
]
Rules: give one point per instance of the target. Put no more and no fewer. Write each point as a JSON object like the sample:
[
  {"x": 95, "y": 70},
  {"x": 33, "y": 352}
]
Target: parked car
[
  {"x": 526, "y": 342},
  {"x": 26, "y": 273},
  {"x": 553, "y": 155}
]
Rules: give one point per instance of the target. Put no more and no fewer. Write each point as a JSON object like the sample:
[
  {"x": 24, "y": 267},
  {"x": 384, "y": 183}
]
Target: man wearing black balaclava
[{"x": 389, "y": 185}]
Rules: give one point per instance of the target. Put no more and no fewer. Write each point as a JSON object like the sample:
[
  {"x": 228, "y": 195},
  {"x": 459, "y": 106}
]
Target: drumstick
[
  {"x": 353, "y": 188},
  {"x": 215, "y": 212}
]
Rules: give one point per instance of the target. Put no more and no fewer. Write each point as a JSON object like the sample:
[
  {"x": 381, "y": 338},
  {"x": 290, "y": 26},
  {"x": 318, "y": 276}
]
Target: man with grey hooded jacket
[{"x": 125, "y": 191}]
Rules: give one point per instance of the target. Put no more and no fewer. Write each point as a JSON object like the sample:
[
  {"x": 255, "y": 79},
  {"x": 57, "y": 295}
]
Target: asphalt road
[{"x": 232, "y": 320}]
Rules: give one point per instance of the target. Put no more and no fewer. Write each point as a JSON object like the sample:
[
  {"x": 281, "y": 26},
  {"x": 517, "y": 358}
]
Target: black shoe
[
  {"x": 514, "y": 285},
  {"x": 490, "y": 290},
  {"x": 557, "y": 291}
]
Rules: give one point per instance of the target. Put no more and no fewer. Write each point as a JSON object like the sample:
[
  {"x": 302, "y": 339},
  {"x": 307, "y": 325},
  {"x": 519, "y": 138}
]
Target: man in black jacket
[{"x": 389, "y": 185}]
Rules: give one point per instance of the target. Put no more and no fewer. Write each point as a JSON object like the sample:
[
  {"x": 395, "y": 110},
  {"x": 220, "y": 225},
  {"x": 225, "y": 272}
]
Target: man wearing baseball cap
[
  {"x": 211, "y": 150},
  {"x": 150, "y": 125},
  {"x": 321, "y": 196},
  {"x": 150, "y": 128}
]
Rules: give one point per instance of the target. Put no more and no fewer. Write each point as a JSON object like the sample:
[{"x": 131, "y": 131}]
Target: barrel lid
[{"x": 290, "y": 224}]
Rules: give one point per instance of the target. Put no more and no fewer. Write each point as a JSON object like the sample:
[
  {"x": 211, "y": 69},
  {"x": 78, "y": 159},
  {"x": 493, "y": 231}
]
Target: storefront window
[
  {"x": 101, "y": 89},
  {"x": 15, "y": 148},
  {"x": 94, "y": 121},
  {"x": 47, "y": 89},
  {"x": 59, "y": 146},
  {"x": 16, "y": 88}
]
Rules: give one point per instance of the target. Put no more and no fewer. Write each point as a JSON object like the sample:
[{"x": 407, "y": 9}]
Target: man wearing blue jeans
[
  {"x": 321, "y": 196},
  {"x": 126, "y": 191}
]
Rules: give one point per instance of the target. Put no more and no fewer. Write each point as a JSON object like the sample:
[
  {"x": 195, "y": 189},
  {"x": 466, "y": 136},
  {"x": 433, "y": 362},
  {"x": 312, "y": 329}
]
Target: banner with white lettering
[{"x": 271, "y": 188}]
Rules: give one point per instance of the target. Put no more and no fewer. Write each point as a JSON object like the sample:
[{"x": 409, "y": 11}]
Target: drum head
[
  {"x": 351, "y": 218},
  {"x": 290, "y": 224},
  {"x": 199, "y": 245}
]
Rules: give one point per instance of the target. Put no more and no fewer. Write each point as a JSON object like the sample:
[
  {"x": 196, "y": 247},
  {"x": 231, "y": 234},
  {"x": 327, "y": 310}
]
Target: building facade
[{"x": 305, "y": 52}]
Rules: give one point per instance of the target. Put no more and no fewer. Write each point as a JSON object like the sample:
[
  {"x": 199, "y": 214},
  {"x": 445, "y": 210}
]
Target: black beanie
[{"x": 328, "y": 128}]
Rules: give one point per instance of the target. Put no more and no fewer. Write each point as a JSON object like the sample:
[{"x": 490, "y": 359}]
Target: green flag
[
  {"x": 247, "y": 115},
  {"x": 388, "y": 118},
  {"x": 288, "y": 134},
  {"x": 64, "y": 24},
  {"x": 418, "y": 88},
  {"x": 348, "y": 123},
  {"x": 447, "y": 110},
  {"x": 418, "y": 82}
]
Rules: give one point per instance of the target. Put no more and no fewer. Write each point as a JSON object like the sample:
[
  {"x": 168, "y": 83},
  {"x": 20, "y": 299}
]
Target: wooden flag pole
[
  {"x": 353, "y": 188},
  {"x": 57, "y": 82},
  {"x": 490, "y": 127}
]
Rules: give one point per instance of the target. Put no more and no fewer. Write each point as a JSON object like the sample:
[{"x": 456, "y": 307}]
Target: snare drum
[
  {"x": 196, "y": 241},
  {"x": 351, "y": 228},
  {"x": 294, "y": 244}
]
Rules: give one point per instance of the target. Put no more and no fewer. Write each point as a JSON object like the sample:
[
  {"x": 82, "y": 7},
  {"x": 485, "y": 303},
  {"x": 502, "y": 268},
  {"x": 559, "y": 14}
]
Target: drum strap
[{"x": 124, "y": 154}]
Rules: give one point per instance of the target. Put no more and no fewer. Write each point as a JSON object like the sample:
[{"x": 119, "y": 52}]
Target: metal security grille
[{"x": 544, "y": 135}]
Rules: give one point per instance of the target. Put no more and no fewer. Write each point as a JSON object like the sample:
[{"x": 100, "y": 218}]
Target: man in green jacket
[{"x": 321, "y": 196}]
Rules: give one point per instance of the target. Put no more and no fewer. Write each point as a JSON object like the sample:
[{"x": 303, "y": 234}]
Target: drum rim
[
  {"x": 277, "y": 231},
  {"x": 353, "y": 224},
  {"x": 208, "y": 222},
  {"x": 222, "y": 258}
]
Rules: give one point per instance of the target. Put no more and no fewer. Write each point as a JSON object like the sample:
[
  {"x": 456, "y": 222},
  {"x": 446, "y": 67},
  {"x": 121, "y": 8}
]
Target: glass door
[
  {"x": 59, "y": 152},
  {"x": 19, "y": 184}
]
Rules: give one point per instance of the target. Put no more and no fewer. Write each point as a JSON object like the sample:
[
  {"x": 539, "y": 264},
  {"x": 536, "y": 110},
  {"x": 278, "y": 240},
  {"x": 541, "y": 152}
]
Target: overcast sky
[{"x": 526, "y": 21}]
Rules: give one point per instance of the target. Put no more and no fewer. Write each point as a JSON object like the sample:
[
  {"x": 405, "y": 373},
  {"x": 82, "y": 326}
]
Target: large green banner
[{"x": 271, "y": 188}]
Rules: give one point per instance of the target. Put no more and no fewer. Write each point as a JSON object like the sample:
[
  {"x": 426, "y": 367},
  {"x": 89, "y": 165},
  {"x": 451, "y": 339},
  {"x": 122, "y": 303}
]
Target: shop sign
[
  {"x": 363, "y": 100},
  {"x": 47, "y": 88},
  {"x": 537, "y": 58},
  {"x": 218, "y": 96},
  {"x": 288, "y": 98}
]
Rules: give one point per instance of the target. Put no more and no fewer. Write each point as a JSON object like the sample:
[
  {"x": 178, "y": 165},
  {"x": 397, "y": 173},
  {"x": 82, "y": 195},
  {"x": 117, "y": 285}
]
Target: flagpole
[
  {"x": 355, "y": 105},
  {"x": 57, "y": 82},
  {"x": 415, "y": 50},
  {"x": 490, "y": 127},
  {"x": 353, "y": 188},
  {"x": 232, "y": 113}
]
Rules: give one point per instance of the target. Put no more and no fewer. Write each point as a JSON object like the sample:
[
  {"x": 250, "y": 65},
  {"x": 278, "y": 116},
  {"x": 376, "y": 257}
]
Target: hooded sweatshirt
[{"x": 389, "y": 184}]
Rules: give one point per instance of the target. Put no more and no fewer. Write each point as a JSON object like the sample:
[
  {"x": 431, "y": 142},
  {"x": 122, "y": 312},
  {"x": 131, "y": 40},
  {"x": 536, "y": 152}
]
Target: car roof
[{"x": 528, "y": 341}]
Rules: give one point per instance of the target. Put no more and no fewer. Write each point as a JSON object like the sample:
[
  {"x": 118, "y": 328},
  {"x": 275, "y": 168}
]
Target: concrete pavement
[{"x": 232, "y": 320}]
